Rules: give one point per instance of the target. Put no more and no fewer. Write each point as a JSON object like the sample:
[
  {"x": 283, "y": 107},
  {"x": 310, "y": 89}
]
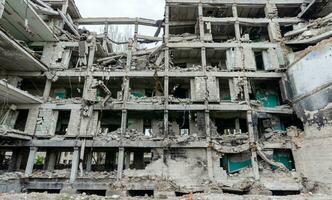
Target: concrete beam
[
  {"x": 116, "y": 21},
  {"x": 283, "y": 2}
]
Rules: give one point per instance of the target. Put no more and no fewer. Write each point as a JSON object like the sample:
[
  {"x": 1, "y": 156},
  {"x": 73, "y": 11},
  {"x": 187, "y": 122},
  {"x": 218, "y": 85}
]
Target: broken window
[
  {"x": 253, "y": 33},
  {"x": 34, "y": 86},
  {"x": 110, "y": 121},
  {"x": 285, "y": 29},
  {"x": 289, "y": 10},
  {"x": 114, "y": 85},
  {"x": 176, "y": 15},
  {"x": 284, "y": 156},
  {"x": 186, "y": 59},
  {"x": 234, "y": 163},
  {"x": 63, "y": 160},
  {"x": 187, "y": 123},
  {"x": 101, "y": 159},
  {"x": 228, "y": 123},
  {"x": 252, "y": 11},
  {"x": 222, "y": 32},
  {"x": 137, "y": 158},
  {"x": 270, "y": 125},
  {"x": 179, "y": 88},
  {"x": 259, "y": 60},
  {"x": 224, "y": 90},
  {"x": 146, "y": 87},
  {"x": 62, "y": 123},
  {"x": 267, "y": 93},
  {"x": 216, "y": 59},
  {"x": 21, "y": 119},
  {"x": 66, "y": 88},
  {"x": 146, "y": 123}
]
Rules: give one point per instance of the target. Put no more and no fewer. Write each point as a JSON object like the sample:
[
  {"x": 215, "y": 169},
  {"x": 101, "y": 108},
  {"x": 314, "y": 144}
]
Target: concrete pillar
[
  {"x": 47, "y": 89},
  {"x": 120, "y": 163},
  {"x": 89, "y": 156},
  {"x": 209, "y": 164},
  {"x": 139, "y": 159},
  {"x": 51, "y": 160},
  {"x": 31, "y": 160},
  {"x": 201, "y": 23},
  {"x": 74, "y": 165}
]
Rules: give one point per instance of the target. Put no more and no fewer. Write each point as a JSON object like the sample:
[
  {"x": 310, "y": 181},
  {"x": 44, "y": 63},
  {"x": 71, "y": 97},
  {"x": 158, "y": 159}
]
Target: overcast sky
[{"x": 152, "y": 9}]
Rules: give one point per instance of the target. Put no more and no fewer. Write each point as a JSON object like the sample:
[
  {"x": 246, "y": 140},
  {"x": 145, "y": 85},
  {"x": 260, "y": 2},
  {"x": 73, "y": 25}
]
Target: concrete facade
[{"x": 231, "y": 99}]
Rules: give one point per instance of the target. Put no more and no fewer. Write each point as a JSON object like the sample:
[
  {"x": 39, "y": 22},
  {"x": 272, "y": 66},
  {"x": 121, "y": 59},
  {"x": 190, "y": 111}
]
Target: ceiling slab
[
  {"x": 11, "y": 94},
  {"x": 14, "y": 18},
  {"x": 15, "y": 58}
]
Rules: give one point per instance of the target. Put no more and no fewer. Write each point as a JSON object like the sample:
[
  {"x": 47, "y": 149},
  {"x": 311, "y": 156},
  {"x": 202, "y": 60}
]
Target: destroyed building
[{"x": 234, "y": 97}]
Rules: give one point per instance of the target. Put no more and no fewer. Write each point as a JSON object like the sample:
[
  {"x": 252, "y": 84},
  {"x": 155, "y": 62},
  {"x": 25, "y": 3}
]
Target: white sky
[{"x": 151, "y": 9}]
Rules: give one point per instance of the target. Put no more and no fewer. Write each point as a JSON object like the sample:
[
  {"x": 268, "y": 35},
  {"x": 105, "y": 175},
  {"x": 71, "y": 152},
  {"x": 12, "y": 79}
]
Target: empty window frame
[
  {"x": 66, "y": 88},
  {"x": 110, "y": 121},
  {"x": 146, "y": 87},
  {"x": 186, "y": 59},
  {"x": 257, "y": 33},
  {"x": 21, "y": 120},
  {"x": 234, "y": 163},
  {"x": 63, "y": 122},
  {"x": 150, "y": 124},
  {"x": 216, "y": 59},
  {"x": 179, "y": 88}
]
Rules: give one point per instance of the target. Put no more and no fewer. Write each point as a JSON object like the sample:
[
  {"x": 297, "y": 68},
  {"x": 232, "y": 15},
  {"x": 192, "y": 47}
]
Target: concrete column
[
  {"x": 89, "y": 156},
  {"x": 139, "y": 159},
  {"x": 166, "y": 23},
  {"x": 236, "y": 24},
  {"x": 209, "y": 163},
  {"x": 47, "y": 89},
  {"x": 52, "y": 156},
  {"x": 120, "y": 163},
  {"x": 252, "y": 144},
  {"x": 74, "y": 165},
  {"x": 201, "y": 23},
  {"x": 31, "y": 160}
]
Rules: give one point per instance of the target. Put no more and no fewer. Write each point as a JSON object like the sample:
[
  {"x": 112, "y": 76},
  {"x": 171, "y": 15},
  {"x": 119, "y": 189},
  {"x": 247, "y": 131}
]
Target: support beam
[
  {"x": 120, "y": 163},
  {"x": 74, "y": 164},
  {"x": 31, "y": 161}
]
